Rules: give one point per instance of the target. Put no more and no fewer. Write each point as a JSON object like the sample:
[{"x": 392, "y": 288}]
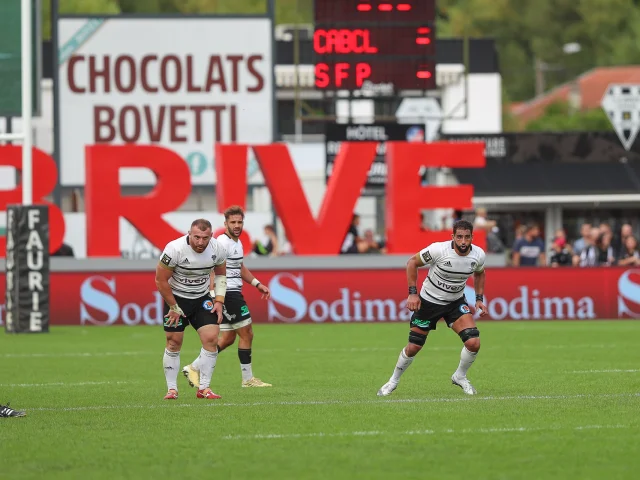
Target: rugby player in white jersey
[
  {"x": 236, "y": 317},
  {"x": 193, "y": 296},
  {"x": 442, "y": 296}
]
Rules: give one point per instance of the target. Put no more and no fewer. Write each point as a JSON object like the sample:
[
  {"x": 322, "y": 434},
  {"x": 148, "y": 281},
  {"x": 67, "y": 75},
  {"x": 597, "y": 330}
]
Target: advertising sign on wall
[
  {"x": 314, "y": 296},
  {"x": 184, "y": 84}
]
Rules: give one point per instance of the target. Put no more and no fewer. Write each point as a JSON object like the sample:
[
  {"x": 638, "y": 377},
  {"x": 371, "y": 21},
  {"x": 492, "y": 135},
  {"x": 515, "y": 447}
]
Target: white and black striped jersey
[
  {"x": 448, "y": 271},
  {"x": 191, "y": 270},
  {"x": 235, "y": 257}
]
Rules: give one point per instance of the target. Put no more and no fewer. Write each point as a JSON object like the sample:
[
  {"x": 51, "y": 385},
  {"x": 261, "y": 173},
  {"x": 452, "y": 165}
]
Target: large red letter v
[{"x": 308, "y": 236}]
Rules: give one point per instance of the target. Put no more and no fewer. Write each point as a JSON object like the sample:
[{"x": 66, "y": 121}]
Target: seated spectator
[
  {"x": 561, "y": 254},
  {"x": 600, "y": 254},
  {"x": 374, "y": 245},
  {"x": 629, "y": 255},
  {"x": 589, "y": 241},
  {"x": 529, "y": 250},
  {"x": 618, "y": 243},
  {"x": 271, "y": 246},
  {"x": 353, "y": 242},
  {"x": 584, "y": 240},
  {"x": 64, "y": 251}
]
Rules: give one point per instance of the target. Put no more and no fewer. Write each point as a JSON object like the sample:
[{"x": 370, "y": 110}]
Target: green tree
[
  {"x": 558, "y": 117},
  {"x": 75, "y": 6}
]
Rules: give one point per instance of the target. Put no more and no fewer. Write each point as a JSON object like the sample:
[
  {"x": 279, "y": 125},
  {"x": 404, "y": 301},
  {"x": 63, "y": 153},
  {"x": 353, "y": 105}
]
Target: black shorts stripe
[{"x": 235, "y": 258}]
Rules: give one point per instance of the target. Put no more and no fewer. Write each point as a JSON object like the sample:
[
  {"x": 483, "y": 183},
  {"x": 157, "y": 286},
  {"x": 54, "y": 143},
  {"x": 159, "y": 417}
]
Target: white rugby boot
[
  {"x": 387, "y": 389},
  {"x": 464, "y": 384}
]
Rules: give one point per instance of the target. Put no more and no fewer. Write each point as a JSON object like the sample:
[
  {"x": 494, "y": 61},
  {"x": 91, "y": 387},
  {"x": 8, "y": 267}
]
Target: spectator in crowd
[
  {"x": 626, "y": 230},
  {"x": 481, "y": 222},
  {"x": 353, "y": 242},
  {"x": 600, "y": 253},
  {"x": 561, "y": 254},
  {"x": 594, "y": 233},
  {"x": 271, "y": 246},
  {"x": 629, "y": 255},
  {"x": 373, "y": 245},
  {"x": 529, "y": 250},
  {"x": 584, "y": 240},
  {"x": 449, "y": 220},
  {"x": 64, "y": 251}
]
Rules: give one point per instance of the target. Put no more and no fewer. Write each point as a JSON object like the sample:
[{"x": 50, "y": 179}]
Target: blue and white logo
[{"x": 207, "y": 305}]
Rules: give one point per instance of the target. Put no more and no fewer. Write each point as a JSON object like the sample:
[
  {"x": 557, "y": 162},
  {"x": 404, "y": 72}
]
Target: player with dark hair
[
  {"x": 183, "y": 278},
  {"x": 442, "y": 296},
  {"x": 237, "y": 318}
]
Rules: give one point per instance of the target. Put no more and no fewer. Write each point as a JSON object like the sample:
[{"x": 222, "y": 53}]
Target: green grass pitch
[{"x": 556, "y": 400}]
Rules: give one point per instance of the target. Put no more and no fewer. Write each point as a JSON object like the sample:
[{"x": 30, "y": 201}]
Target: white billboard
[{"x": 183, "y": 84}]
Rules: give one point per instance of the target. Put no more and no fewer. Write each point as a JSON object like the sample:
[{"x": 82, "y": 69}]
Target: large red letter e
[{"x": 406, "y": 197}]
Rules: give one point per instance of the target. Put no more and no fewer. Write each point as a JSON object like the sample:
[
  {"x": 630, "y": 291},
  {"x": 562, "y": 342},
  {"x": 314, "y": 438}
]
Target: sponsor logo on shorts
[
  {"x": 421, "y": 323},
  {"x": 465, "y": 309},
  {"x": 207, "y": 305},
  {"x": 244, "y": 310}
]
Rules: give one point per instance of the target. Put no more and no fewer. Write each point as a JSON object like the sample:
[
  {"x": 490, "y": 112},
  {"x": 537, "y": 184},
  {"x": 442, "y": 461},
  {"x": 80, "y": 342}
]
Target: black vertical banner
[{"x": 27, "y": 269}]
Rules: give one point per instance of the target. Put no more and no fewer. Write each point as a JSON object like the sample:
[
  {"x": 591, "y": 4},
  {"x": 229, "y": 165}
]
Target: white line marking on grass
[
  {"x": 375, "y": 433},
  {"x": 74, "y": 354},
  {"x": 304, "y": 350},
  {"x": 62, "y": 384},
  {"x": 218, "y": 404},
  {"x": 605, "y": 371}
]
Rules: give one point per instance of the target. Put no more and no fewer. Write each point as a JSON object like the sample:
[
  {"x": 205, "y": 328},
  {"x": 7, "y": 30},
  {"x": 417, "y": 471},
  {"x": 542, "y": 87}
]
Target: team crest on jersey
[
  {"x": 166, "y": 259},
  {"x": 465, "y": 309},
  {"x": 213, "y": 257},
  {"x": 207, "y": 305},
  {"x": 426, "y": 256}
]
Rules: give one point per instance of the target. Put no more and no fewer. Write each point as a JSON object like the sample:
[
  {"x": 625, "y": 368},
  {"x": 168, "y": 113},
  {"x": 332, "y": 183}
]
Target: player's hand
[
  {"x": 481, "y": 308},
  {"x": 264, "y": 290},
  {"x": 413, "y": 302},
  {"x": 217, "y": 308},
  {"x": 174, "y": 315}
]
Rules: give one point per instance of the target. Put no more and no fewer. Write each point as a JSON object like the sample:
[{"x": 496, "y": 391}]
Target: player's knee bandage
[
  {"x": 417, "y": 338},
  {"x": 468, "y": 333},
  {"x": 220, "y": 287}
]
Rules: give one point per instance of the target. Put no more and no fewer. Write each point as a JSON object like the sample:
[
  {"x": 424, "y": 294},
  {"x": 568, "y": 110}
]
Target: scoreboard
[{"x": 360, "y": 42}]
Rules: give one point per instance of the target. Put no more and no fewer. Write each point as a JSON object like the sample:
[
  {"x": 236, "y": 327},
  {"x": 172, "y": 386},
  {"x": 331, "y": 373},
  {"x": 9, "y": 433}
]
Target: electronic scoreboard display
[{"x": 376, "y": 42}]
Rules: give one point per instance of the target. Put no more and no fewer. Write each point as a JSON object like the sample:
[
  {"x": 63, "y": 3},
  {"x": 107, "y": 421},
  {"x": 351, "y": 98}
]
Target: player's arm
[
  {"x": 413, "y": 264},
  {"x": 247, "y": 276},
  {"x": 164, "y": 271},
  {"x": 219, "y": 282},
  {"x": 479, "y": 277},
  {"x": 163, "y": 274}
]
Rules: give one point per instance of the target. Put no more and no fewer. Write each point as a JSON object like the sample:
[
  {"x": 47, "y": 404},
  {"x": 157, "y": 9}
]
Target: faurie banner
[{"x": 314, "y": 296}]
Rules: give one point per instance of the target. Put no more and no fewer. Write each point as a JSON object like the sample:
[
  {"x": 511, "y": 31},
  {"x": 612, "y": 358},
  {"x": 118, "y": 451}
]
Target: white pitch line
[
  {"x": 75, "y": 354},
  {"x": 305, "y": 350},
  {"x": 377, "y": 433},
  {"x": 217, "y": 404},
  {"x": 63, "y": 384},
  {"x": 606, "y": 371}
]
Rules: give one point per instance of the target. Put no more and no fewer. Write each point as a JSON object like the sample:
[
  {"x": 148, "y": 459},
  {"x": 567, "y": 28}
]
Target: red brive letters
[
  {"x": 405, "y": 197},
  {"x": 45, "y": 177}
]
